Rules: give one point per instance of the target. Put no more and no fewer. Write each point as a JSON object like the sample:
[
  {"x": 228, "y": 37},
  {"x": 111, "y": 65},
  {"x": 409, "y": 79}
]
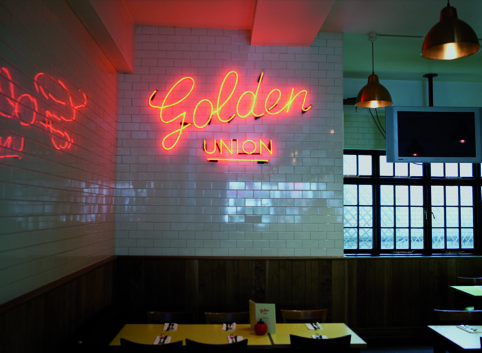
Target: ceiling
[{"x": 400, "y": 26}]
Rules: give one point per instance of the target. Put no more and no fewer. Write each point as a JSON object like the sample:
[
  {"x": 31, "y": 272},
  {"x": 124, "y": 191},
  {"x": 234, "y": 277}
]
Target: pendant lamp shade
[
  {"x": 373, "y": 94},
  {"x": 451, "y": 38}
]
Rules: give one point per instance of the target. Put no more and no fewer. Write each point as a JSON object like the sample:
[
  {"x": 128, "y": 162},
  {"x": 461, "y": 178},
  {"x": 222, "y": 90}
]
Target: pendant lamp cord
[{"x": 373, "y": 61}]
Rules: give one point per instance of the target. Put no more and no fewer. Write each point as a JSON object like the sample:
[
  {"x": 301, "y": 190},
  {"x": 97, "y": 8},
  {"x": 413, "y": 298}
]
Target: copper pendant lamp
[
  {"x": 451, "y": 38},
  {"x": 373, "y": 94}
]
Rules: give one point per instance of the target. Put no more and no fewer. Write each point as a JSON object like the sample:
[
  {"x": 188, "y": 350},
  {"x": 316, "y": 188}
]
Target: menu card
[{"x": 265, "y": 312}]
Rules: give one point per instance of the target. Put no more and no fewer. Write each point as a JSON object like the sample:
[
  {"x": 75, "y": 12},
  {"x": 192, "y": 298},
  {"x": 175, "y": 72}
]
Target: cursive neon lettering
[
  {"x": 224, "y": 96},
  {"x": 253, "y": 103}
]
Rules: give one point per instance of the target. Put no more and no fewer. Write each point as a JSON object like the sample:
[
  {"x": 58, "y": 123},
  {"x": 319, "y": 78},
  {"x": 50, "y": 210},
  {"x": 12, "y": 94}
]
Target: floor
[{"x": 407, "y": 349}]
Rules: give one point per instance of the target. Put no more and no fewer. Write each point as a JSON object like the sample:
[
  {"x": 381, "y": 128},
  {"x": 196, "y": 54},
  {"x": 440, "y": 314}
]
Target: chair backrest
[
  {"x": 338, "y": 344},
  {"x": 469, "y": 281},
  {"x": 129, "y": 346},
  {"x": 240, "y": 317},
  {"x": 194, "y": 346},
  {"x": 178, "y": 317},
  {"x": 459, "y": 316},
  {"x": 301, "y": 316}
]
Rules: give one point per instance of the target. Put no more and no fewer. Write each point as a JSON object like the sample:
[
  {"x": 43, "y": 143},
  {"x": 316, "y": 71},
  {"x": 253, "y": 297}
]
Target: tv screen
[{"x": 433, "y": 134}]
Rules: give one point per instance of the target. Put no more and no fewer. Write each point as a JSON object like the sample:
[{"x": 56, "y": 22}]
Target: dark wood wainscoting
[
  {"x": 382, "y": 296},
  {"x": 377, "y": 297},
  {"x": 42, "y": 321}
]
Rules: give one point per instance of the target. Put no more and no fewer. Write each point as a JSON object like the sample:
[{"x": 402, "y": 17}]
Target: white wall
[
  {"x": 176, "y": 203},
  {"x": 57, "y": 162}
]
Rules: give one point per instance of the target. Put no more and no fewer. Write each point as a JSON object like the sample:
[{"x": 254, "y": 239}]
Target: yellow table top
[
  {"x": 460, "y": 337},
  {"x": 212, "y": 334},
  {"x": 205, "y": 333},
  {"x": 330, "y": 330},
  {"x": 475, "y": 291}
]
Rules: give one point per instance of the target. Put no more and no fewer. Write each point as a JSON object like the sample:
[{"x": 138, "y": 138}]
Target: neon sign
[
  {"x": 61, "y": 106},
  {"x": 247, "y": 104}
]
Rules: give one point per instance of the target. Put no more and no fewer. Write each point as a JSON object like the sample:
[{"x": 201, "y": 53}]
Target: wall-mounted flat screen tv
[{"x": 433, "y": 134}]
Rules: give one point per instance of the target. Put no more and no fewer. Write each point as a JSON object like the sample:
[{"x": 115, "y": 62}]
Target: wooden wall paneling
[
  {"x": 314, "y": 290},
  {"x": 273, "y": 283},
  {"x": 408, "y": 297},
  {"x": 325, "y": 286},
  {"x": 352, "y": 310},
  {"x": 299, "y": 285},
  {"x": 374, "y": 293},
  {"x": 339, "y": 291},
  {"x": 388, "y": 282},
  {"x": 382, "y": 285},
  {"x": 245, "y": 283},
  {"x": 361, "y": 293},
  {"x": 232, "y": 295},
  {"x": 416, "y": 294},
  {"x": 286, "y": 285},
  {"x": 425, "y": 285},
  {"x": 259, "y": 274},
  {"x": 205, "y": 286},
  {"x": 219, "y": 278}
]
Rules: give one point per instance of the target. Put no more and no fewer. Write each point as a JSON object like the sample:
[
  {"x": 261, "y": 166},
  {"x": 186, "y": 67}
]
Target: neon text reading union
[{"x": 216, "y": 109}]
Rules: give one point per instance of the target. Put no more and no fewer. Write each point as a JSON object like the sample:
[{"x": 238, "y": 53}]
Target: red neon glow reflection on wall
[
  {"x": 59, "y": 106},
  {"x": 271, "y": 101}
]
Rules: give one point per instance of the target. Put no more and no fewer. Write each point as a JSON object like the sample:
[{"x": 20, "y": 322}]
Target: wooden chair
[
  {"x": 469, "y": 281},
  {"x": 178, "y": 317},
  {"x": 330, "y": 345},
  {"x": 303, "y": 316},
  {"x": 129, "y": 346},
  {"x": 455, "y": 317},
  {"x": 241, "y": 317},
  {"x": 194, "y": 346}
]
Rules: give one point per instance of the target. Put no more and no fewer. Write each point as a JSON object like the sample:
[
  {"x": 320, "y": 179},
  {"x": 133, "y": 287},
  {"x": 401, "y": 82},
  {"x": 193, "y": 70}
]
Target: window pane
[
  {"x": 350, "y": 238},
  {"x": 350, "y": 219},
  {"x": 438, "y": 239},
  {"x": 401, "y": 216},
  {"x": 366, "y": 238},
  {"x": 437, "y": 169},
  {"x": 467, "y": 217},
  {"x": 467, "y": 238},
  {"x": 416, "y": 169},
  {"x": 416, "y": 195},
  {"x": 451, "y": 170},
  {"x": 401, "y": 169},
  {"x": 438, "y": 217},
  {"x": 386, "y": 169},
  {"x": 386, "y": 214},
  {"x": 452, "y": 214},
  {"x": 350, "y": 195},
  {"x": 452, "y": 198},
  {"x": 466, "y": 196},
  {"x": 349, "y": 164},
  {"x": 366, "y": 217},
  {"x": 387, "y": 239},
  {"x": 416, "y": 216},
  {"x": 452, "y": 238},
  {"x": 437, "y": 196},
  {"x": 386, "y": 195},
  {"x": 366, "y": 195},
  {"x": 401, "y": 192},
  {"x": 365, "y": 165},
  {"x": 417, "y": 239},
  {"x": 466, "y": 170},
  {"x": 402, "y": 238}
]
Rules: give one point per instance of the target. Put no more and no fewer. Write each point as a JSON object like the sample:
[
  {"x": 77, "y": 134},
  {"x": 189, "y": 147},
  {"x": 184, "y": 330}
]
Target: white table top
[{"x": 460, "y": 337}]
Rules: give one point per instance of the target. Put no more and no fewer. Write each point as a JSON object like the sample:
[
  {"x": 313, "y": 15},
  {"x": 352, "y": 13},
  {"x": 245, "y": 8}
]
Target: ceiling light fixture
[
  {"x": 450, "y": 38},
  {"x": 373, "y": 94}
]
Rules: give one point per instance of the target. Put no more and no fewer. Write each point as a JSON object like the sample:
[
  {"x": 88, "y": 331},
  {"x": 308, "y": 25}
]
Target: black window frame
[{"x": 426, "y": 181}]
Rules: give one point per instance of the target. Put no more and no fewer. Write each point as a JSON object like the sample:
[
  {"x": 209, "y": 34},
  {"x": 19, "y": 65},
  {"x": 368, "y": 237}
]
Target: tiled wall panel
[
  {"x": 58, "y": 121},
  {"x": 174, "y": 202}
]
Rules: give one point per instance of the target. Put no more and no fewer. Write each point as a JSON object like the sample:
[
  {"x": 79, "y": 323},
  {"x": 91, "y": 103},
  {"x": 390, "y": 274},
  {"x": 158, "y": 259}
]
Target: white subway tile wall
[
  {"x": 58, "y": 123},
  {"x": 175, "y": 202}
]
